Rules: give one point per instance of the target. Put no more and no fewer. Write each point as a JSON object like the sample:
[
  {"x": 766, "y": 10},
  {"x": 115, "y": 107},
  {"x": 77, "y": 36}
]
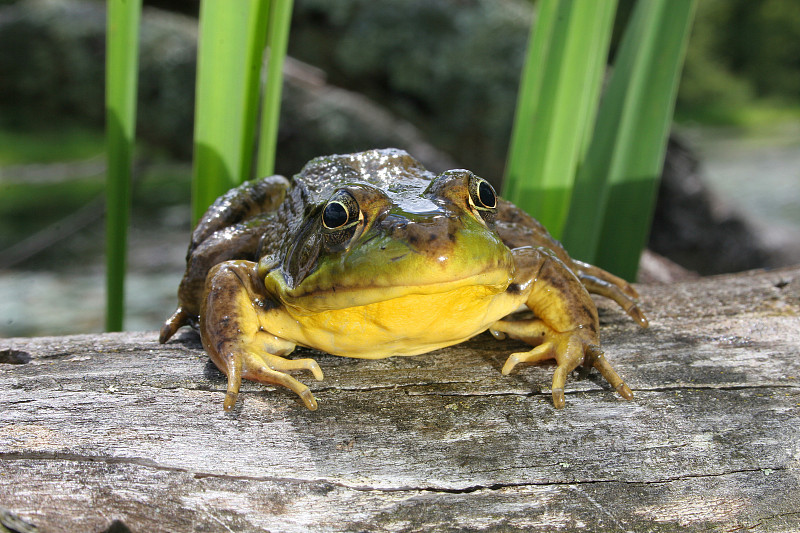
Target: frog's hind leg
[
  {"x": 612, "y": 291},
  {"x": 233, "y": 242},
  {"x": 232, "y": 228},
  {"x": 598, "y": 281},
  {"x": 588, "y": 270},
  {"x": 233, "y": 336},
  {"x": 177, "y": 320}
]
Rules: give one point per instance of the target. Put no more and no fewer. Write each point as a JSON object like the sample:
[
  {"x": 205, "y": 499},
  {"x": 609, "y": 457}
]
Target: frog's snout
[
  {"x": 435, "y": 234},
  {"x": 430, "y": 235}
]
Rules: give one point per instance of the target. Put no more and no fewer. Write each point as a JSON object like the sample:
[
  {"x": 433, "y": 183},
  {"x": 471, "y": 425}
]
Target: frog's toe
[
  {"x": 497, "y": 334},
  {"x": 264, "y": 374},
  {"x": 281, "y": 364},
  {"x": 178, "y": 319},
  {"x": 625, "y": 299},
  {"x": 586, "y": 271},
  {"x": 569, "y": 353},
  {"x": 234, "y": 371},
  {"x": 598, "y": 281},
  {"x": 270, "y": 369},
  {"x": 540, "y": 353},
  {"x": 596, "y": 358}
]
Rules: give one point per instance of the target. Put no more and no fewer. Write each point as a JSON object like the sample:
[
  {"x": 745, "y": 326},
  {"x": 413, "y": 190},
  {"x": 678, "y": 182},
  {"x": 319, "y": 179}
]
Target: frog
[{"x": 370, "y": 255}]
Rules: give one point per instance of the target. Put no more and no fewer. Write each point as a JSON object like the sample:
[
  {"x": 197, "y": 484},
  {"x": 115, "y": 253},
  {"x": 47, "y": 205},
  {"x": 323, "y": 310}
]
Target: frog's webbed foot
[
  {"x": 266, "y": 368},
  {"x": 233, "y": 335},
  {"x": 569, "y": 349},
  {"x": 598, "y": 281}
]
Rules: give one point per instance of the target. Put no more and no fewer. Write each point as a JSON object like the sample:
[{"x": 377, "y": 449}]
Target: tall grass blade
[
  {"x": 615, "y": 188},
  {"x": 259, "y": 23},
  {"x": 122, "y": 60},
  {"x": 232, "y": 36},
  {"x": 556, "y": 106},
  {"x": 278, "y": 38}
]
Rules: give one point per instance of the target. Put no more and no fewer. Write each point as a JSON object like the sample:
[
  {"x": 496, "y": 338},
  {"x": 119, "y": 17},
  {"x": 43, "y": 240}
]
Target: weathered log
[{"x": 108, "y": 432}]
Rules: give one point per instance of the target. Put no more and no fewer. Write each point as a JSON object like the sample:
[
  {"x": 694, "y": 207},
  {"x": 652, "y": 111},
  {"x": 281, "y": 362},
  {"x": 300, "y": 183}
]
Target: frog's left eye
[{"x": 481, "y": 194}]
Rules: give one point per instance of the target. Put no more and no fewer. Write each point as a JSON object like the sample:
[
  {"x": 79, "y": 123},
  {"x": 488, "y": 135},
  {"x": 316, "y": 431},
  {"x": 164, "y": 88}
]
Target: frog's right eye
[
  {"x": 335, "y": 215},
  {"x": 340, "y": 212}
]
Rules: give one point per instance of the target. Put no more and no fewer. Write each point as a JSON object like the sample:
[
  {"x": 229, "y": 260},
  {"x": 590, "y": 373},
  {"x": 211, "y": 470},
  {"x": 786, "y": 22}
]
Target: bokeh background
[{"x": 436, "y": 77}]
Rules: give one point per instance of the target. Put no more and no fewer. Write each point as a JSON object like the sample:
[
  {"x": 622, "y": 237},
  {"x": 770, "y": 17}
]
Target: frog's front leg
[
  {"x": 234, "y": 335},
  {"x": 566, "y": 323}
]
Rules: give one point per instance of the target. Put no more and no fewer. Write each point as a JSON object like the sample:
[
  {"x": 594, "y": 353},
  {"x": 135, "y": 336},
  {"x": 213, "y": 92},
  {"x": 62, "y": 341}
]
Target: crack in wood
[
  {"x": 708, "y": 386},
  {"x": 409, "y": 387},
  {"x": 148, "y": 463},
  {"x": 761, "y": 522}
]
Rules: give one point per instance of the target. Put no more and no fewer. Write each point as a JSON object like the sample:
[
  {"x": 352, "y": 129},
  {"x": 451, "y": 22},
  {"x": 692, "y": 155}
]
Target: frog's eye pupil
[
  {"x": 335, "y": 215},
  {"x": 486, "y": 195}
]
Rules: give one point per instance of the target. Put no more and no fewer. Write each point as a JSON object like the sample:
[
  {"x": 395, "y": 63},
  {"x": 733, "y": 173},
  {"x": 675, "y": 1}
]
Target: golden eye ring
[
  {"x": 335, "y": 215},
  {"x": 340, "y": 212},
  {"x": 481, "y": 194}
]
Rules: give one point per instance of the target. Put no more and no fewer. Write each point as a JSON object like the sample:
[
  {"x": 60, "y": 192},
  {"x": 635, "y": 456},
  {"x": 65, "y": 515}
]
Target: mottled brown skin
[
  {"x": 517, "y": 228},
  {"x": 412, "y": 227}
]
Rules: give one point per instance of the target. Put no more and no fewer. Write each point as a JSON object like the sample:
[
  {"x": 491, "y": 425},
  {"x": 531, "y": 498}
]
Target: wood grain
[{"x": 115, "y": 432}]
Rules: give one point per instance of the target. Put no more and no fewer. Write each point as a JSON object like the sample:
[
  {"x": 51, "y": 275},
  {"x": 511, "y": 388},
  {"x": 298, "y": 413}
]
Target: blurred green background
[{"x": 438, "y": 78}]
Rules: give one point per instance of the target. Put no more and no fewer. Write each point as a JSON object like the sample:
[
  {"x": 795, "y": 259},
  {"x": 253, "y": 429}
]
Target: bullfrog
[{"x": 370, "y": 255}]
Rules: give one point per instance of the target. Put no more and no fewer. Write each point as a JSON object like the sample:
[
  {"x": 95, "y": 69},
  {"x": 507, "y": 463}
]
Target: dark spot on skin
[
  {"x": 265, "y": 304},
  {"x": 514, "y": 288},
  {"x": 220, "y": 345},
  {"x": 558, "y": 283},
  {"x": 453, "y": 226}
]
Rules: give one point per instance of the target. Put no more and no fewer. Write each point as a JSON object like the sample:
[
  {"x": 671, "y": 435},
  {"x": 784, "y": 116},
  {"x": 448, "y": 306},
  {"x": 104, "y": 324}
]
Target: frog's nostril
[
  {"x": 421, "y": 236},
  {"x": 14, "y": 357}
]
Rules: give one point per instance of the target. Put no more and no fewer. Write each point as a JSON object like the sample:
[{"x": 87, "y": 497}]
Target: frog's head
[{"x": 389, "y": 228}]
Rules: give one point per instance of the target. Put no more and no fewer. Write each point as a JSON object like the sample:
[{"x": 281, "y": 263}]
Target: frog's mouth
[{"x": 492, "y": 281}]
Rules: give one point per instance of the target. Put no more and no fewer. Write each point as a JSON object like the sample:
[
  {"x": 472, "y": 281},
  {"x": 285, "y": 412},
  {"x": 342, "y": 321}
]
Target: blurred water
[
  {"x": 757, "y": 172},
  {"x": 35, "y": 303}
]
